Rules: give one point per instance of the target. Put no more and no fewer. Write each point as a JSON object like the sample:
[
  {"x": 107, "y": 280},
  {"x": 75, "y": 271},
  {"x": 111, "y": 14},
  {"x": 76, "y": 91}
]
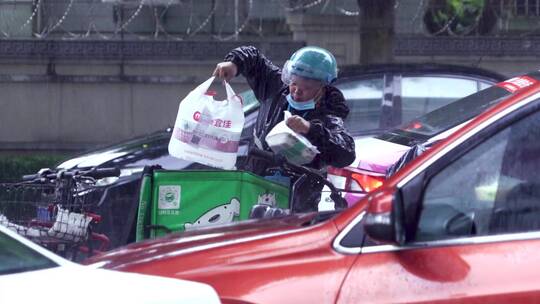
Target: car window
[
  {"x": 491, "y": 189},
  {"x": 364, "y": 99},
  {"x": 422, "y": 94},
  {"x": 135, "y": 145},
  {"x": 446, "y": 117},
  {"x": 16, "y": 257},
  {"x": 484, "y": 85}
]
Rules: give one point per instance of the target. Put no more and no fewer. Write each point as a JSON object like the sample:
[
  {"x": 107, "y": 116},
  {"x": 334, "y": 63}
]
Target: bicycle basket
[{"x": 34, "y": 211}]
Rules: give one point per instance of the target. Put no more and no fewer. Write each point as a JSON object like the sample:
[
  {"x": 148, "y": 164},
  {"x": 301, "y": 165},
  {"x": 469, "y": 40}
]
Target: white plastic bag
[
  {"x": 295, "y": 147},
  {"x": 208, "y": 131}
]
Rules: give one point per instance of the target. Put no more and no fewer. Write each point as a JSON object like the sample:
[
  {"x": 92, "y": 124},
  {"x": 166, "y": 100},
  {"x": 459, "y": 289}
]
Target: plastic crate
[{"x": 184, "y": 200}]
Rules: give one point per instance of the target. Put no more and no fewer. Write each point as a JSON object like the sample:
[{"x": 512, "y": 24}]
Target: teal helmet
[{"x": 311, "y": 62}]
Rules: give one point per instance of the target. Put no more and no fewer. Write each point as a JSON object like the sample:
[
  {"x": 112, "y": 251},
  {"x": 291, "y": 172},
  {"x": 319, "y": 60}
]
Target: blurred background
[{"x": 79, "y": 74}]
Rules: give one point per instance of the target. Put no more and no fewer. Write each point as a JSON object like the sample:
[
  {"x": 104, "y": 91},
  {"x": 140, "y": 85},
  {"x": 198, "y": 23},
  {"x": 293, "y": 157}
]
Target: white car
[{"x": 32, "y": 274}]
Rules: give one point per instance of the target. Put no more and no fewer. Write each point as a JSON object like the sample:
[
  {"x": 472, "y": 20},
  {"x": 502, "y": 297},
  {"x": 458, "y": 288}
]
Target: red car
[{"x": 460, "y": 223}]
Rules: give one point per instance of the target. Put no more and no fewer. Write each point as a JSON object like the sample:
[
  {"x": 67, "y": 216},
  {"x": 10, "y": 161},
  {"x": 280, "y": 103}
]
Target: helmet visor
[{"x": 291, "y": 74}]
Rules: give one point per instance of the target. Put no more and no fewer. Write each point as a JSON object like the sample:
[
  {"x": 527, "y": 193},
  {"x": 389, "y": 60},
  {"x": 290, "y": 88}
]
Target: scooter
[
  {"x": 302, "y": 175},
  {"x": 182, "y": 200}
]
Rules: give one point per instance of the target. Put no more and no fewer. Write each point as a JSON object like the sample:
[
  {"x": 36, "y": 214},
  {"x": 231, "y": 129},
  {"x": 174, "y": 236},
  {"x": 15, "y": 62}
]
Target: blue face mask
[{"x": 301, "y": 105}]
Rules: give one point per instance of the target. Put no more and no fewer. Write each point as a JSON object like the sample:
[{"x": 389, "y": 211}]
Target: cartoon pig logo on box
[{"x": 222, "y": 214}]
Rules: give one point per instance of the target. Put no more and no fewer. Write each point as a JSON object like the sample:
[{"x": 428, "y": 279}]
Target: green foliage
[
  {"x": 13, "y": 167},
  {"x": 465, "y": 8},
  {"x": 455, "y": 17},
  {"x": 459, "y": 17}
]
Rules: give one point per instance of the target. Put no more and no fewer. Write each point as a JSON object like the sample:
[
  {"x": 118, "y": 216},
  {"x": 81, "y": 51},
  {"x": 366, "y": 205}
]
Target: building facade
[{"x": 80, "y": 73}]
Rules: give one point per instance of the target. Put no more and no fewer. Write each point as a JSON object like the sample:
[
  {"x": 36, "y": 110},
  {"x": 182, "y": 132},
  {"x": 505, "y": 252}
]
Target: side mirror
[{"x": 384, "y": 218}]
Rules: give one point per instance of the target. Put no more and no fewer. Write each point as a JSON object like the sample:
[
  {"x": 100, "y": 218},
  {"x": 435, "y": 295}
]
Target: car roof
[{"x": 348, "y": 71}]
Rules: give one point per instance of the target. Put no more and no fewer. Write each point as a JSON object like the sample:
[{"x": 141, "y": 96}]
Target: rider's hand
[
  {"x": 225, "y": 70},
  {"x": 298, "y": 124}
]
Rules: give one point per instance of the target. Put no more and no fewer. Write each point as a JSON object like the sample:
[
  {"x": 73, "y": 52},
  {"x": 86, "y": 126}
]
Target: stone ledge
[
  {"x": 135, "y": 50},
  {"x": 466, "y": 46},
  {"x": 324, "y": 23},
  {"x": 100, "y": 79}
]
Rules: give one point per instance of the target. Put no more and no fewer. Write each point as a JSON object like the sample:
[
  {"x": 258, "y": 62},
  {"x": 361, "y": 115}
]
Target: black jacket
[{"x": 327, "y": 133}]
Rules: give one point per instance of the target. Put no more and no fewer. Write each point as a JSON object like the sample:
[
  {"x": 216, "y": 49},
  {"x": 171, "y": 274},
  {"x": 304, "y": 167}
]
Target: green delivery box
[{"x": 185, "y": 200}]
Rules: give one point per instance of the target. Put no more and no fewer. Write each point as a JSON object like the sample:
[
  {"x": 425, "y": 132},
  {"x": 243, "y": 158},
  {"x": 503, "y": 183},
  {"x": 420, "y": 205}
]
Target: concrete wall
[
  {"x": 79, "y": 94},
  {"x": 69, "y": 104},
  {"x": 95, "y": 107},
  {"x": 509, "y": 66},
  {"x": 502, "y": 52},
  {"x": 506, "y": 55},
  {"x": 507, "y": 49},
  {"x": 337, "y": 33}
]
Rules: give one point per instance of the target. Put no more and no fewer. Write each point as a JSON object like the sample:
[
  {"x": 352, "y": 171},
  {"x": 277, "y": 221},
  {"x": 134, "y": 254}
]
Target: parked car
[
  {"x": 459, "y": 224},
  {"x": 427, "y": 118},
  {"x": 31, "y": 274},
  {"x": 382, "y": 97},
  {"x": 379, "y": 97}
]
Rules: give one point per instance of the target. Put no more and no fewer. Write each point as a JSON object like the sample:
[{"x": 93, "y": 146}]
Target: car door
[{"x": 473, "y": 224}]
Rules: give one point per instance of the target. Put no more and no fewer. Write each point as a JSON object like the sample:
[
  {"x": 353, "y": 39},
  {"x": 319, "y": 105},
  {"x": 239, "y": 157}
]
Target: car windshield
[
  {"x": 146, "y": 143},
  {"x": 444, "y": 118},
  {"x": 156, "y": 140},
  {"x": 15, "y": 257}
]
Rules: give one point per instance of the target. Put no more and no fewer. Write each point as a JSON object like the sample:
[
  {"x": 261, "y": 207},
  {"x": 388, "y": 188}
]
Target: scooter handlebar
[{"x": 95, "y": 173}]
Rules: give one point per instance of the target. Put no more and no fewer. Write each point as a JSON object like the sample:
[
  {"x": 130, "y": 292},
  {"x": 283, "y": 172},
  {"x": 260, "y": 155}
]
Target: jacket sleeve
[
  {"x": 328, "y": 133},
  {"x": 262, "y": 75},
  {"x": 332, "y": 140}
]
